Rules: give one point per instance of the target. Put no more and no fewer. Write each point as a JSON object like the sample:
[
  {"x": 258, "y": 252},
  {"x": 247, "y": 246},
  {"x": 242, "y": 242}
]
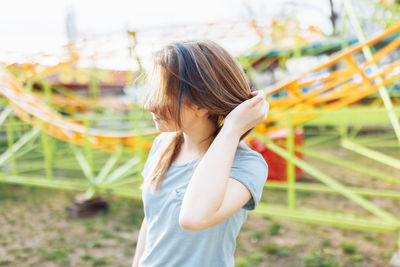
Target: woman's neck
[{"x": 198, "y": 138}]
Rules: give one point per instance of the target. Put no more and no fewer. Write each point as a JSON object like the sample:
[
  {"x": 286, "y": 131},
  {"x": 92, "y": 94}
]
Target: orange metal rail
[
  {"x": 334, "y": 84},
  {"x": 339, "y": 82},
  {"x": 34, "y": 110}
]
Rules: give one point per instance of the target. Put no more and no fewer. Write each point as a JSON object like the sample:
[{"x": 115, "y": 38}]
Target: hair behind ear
[{"x": 169, "y": 149}]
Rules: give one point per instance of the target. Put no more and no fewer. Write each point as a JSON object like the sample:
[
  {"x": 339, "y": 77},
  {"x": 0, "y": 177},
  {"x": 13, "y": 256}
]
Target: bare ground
[{"x": 36, "y": 230}]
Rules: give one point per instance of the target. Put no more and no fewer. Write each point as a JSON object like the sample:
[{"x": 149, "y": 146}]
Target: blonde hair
[{"x": 198, "y": 72}]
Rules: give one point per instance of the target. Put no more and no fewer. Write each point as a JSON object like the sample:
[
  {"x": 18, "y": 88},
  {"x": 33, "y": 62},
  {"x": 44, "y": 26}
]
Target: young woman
[{"x": 200, "y": 178}]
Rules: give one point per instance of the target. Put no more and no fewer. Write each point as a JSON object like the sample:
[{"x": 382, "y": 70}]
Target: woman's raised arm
[{"x": 210, "y": 186}]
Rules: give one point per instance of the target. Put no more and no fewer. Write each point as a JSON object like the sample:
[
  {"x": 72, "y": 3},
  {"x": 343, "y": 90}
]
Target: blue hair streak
[{"x": 184, "y": 65}]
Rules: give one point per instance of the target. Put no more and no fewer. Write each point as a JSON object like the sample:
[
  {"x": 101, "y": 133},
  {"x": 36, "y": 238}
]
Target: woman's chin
[
  {"x": 165, "y": 130},
  {"x": 162, "y": 128}
]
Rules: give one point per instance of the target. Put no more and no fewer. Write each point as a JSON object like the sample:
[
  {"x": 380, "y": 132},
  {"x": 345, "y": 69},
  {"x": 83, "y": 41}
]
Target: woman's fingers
[
  {"x": 265, "y": 110},
  {"x": 261, "y": 94},
  {"x": 258, "y": 96},
  {"x": 257, "y": 103},
  {"x": 250, "y": 113},
  {"x": 254, "y": 93},
  {"x": 262, "y": 109},
  {"x": 258, "y": 92}
]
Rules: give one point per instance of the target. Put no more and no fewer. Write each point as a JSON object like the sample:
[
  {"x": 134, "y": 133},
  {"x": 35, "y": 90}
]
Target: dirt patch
[{"x": 36, "y": 231}]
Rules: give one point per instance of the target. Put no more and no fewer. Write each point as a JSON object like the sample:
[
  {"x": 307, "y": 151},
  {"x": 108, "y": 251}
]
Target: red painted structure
[{"x": 277, "y": 164}]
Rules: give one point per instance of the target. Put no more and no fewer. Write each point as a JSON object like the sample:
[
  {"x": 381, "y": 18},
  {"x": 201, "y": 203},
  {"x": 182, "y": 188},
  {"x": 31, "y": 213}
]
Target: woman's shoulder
[
  {"x": 161, "y": 142},
  {"x": 164, "y": 137},
  {"x": 244, "y": 154},
  {"x": 250, "y": 168},
  {"x": 243, "y": 150}
]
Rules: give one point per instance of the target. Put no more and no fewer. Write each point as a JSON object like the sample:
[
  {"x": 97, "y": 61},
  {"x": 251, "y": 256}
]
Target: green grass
[
  {"x": 5, "y": 262},
  {"x": 249, "y": 261},
  {"x": 53, "y": 255},
  {"x": 348, "y": 247},
  {"x": 320, "y": 260},
  {"x": 274, "y": 229},
  {"x": 276, "y": 250},
  {"x": 86, "y": 257},
  {"x": 102, "y": 261},
  {"x": 356, "y": 258},
  {"x": 27, "y": 250},
  {"x": 326, "y": 243},
  {"x": 97, "y": 245},
  {"x": 283, "y": 252},
  {"x": 257, "y": 235},
  {"x": 106, "y": 234},
  {"x": 271, "y": 248}
]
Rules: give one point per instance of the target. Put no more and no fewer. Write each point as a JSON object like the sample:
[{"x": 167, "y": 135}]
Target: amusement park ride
[{"x": 46, "y": 148}]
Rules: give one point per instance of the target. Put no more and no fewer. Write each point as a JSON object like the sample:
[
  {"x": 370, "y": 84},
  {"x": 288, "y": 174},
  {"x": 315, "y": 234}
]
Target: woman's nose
[{"x": 148, "y": 106}]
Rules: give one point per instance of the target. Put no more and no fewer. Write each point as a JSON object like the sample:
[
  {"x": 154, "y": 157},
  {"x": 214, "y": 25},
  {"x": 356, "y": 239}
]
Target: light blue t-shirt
[{"x": 167, "y": 244}]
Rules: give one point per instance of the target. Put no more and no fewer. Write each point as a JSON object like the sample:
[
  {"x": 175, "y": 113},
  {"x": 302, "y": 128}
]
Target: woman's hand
[{"x": 248, "y": 114}]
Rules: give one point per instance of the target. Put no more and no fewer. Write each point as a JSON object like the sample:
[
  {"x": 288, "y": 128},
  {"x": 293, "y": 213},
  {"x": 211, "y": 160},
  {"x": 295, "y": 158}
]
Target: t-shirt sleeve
[
  {"x": 250, "y": 168},
  {"x": 153, "y": 149}
]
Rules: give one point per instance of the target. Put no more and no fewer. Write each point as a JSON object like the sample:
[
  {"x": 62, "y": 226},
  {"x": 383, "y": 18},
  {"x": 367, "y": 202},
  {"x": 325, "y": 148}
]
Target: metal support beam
[
  {"x": 368, "y": 55},
  {"x": 29, "y": 136},
  {"x": 290, "y": 168},
  {"x": 333, "y": 219},
  {"x": 351, "y": 165},
  {"x": 85, "y": 166},
  {"x": 110, "y": 164},
  {"x": 4, "y": 114},
  {"x": 121, "y": 171},
  {"x": 320, "y": 188},
  {"x": 372, "y": 154},
  {"x": 334, "y": 184}
]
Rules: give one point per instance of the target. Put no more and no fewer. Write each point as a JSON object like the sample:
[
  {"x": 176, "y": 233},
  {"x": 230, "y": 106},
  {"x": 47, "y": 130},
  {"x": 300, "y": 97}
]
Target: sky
[{"x": 28, "y": 27}]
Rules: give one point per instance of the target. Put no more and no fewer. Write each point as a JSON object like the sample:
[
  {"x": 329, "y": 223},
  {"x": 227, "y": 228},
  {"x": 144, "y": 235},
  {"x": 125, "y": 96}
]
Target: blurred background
[{"x": 74, "y": 136}]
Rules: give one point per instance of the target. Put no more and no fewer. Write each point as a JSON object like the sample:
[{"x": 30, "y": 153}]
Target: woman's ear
[{"x": 200, "y": 112}]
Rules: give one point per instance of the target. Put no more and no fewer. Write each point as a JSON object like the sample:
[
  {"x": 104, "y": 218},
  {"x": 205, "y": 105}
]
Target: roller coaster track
[
  {"x": 34, "y": 110},
  {"x": 343, "y": 80},
  {"x": 339, "y": 82}
]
